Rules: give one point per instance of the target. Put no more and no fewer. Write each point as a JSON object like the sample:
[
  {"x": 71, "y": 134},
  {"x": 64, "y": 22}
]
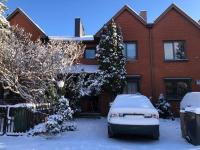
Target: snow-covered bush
[
  {"x": 81, "y": 85},
  {"x": 164, "y": 108},
  {"x": 111, "y": 59},
  {"x": 3, "y": 22},
  {"x": 59, "y": 122}
]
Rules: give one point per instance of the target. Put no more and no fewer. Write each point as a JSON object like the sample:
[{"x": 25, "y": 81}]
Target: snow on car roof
[
  {"x": 132, "y": 100},
  {"x": 191, "y": 99}
]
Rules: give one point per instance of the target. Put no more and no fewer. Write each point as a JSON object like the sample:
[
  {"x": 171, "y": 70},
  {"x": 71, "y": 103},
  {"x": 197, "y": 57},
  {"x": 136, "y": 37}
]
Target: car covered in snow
[{"x": 133, "y": 114}]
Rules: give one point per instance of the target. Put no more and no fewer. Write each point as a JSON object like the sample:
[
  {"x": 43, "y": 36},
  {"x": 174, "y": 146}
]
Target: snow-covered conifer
[
  {"x": 111, "y": 59},
  {"x": 164, "y": 108}
]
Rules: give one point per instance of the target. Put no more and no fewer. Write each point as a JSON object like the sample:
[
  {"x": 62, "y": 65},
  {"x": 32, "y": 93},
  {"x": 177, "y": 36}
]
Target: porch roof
[{"x": 79, "y": 68}]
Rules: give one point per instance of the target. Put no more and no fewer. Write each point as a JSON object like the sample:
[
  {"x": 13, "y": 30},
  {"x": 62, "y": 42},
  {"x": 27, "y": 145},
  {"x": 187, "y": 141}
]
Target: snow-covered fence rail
[
  {"x": 19, "y": 118},
  {"x": 1, "y": 125}
]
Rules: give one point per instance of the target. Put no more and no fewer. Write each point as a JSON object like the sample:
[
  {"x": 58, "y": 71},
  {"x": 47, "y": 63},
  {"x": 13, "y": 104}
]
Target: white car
[{"x": 133, "y": 114}]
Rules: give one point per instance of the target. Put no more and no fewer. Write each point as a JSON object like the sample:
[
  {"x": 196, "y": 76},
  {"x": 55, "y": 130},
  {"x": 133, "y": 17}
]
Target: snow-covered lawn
[{"x": 92, "y": 134}]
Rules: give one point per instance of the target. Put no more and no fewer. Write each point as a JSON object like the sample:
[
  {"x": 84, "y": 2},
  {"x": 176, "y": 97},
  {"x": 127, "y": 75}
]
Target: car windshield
[{"x": 131, "y": 100}]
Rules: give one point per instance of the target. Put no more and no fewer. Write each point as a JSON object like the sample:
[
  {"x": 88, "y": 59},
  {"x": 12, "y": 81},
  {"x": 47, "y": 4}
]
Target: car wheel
[{"x": 110, "y": 132}]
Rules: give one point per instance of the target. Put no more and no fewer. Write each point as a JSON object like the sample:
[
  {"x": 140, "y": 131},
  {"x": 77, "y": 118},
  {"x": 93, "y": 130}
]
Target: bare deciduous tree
[{"x": 27, "y": 67}]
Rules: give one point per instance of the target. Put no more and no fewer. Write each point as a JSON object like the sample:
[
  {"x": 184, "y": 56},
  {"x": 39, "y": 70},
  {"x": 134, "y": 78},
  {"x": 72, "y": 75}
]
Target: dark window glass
[
  {"x": 132, "y": 86},
  {"x": 176, "y": 89},
  {"x": 90, "y": 53},
  {"x": 130, "y": 50},
  {"x": 174, "y": 50}
]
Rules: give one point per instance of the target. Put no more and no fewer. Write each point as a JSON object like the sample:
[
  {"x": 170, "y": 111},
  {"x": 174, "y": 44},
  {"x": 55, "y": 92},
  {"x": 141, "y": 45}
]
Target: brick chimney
[
  {"x": 143, "y": 14},
  {"x": 79, "y": 29}
]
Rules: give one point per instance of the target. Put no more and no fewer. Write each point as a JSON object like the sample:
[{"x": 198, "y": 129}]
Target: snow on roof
[
  {"x": 82, "y": 38},
  {"x": 132, "y": 100},
  {"x": 191, "y": 99},
  {"x": 21, "y": 10},
  {"x": 82, "y": 68}
]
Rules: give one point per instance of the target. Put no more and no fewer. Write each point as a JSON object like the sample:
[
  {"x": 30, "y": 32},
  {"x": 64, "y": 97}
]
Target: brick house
[{"x": 162, "y": 57}]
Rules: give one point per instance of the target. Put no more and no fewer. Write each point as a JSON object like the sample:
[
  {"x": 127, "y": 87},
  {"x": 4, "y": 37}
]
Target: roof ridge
[{"x": 182, "y": 12}]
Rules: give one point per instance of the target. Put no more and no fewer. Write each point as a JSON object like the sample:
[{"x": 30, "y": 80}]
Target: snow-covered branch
[{"x": 28, "y": 67}]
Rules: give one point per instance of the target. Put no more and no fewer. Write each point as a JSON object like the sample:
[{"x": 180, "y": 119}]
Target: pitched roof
[
  {"x": 19, "y": 10},
  {"x": 173, "y": 6},
  {"x": 129, "y": 9}
]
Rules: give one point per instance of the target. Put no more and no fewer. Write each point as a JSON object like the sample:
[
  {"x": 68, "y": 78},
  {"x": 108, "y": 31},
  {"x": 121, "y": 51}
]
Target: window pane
[
  {"x": 89, "y": 53},
  {"x": 131, "y": 87},
  {"x": 168, "y": 49},
  {"x": 179, "y": 50},
  {"x": 176, "y": 89},
  {"x": 124, "y": 50},
  {"x": 131, "y": 51},
  {"x": 171, "y": 90}
]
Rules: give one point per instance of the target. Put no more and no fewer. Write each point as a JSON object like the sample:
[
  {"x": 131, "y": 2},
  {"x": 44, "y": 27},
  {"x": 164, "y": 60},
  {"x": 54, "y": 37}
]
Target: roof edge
[
  {"x": 182, "y": 12},
  {"x": 29, "y": 18},
  {"x": 125, "y": 7}
]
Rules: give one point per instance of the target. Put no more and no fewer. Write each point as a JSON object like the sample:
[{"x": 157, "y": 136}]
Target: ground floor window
[
  {"x": 132, "y": 86},
  {"x": 177, "y": 88}
]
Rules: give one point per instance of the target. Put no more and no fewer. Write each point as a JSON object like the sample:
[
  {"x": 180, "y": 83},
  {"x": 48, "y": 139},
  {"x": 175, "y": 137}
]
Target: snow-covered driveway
[{"x": 92, "y": 134}]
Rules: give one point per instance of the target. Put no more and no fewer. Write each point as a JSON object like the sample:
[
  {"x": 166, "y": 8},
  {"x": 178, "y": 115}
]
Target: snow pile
[{"x": 57, "y": 123}]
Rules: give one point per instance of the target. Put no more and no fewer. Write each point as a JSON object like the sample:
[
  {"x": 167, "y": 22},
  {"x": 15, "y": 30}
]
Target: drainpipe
[{"x": 151, "y": 59}]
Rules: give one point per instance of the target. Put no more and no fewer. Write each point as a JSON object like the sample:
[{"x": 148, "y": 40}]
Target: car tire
[{"x": 110, "y": 132}]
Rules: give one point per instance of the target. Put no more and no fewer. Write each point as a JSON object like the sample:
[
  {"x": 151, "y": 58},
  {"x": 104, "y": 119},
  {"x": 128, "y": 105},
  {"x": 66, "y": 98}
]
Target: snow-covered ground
[{"x": 92, "y": 134}]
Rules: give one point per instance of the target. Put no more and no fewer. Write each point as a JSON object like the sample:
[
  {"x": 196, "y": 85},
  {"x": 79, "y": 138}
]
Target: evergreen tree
[
  {"x": 111, "y": 59},
  {"x": 59, "y": 122},
  {"x": 164, "y": 108}
]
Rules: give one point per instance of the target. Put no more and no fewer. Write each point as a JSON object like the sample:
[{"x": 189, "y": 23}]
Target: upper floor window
[
  {"x": 174, "y": 50},
  {"x": 130, "y": 50},
  {"x": 90, "y": 54}
]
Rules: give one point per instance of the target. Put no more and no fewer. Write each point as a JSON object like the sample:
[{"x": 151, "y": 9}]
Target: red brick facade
[
  {"x": 18, "y": 17},
  {"x": 150, "y": 66}
]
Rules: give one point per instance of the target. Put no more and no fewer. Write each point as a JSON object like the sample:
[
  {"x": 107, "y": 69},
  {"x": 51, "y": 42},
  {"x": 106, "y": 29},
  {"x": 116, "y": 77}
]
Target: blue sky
[{"x": 57, "y": 17}]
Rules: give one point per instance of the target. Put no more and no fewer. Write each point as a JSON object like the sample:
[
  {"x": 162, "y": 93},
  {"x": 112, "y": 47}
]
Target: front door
[{"x": 89, "y": 104}]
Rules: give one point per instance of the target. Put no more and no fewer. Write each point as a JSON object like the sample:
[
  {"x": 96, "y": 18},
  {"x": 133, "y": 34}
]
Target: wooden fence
[{"x": 18, "y": 120}]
